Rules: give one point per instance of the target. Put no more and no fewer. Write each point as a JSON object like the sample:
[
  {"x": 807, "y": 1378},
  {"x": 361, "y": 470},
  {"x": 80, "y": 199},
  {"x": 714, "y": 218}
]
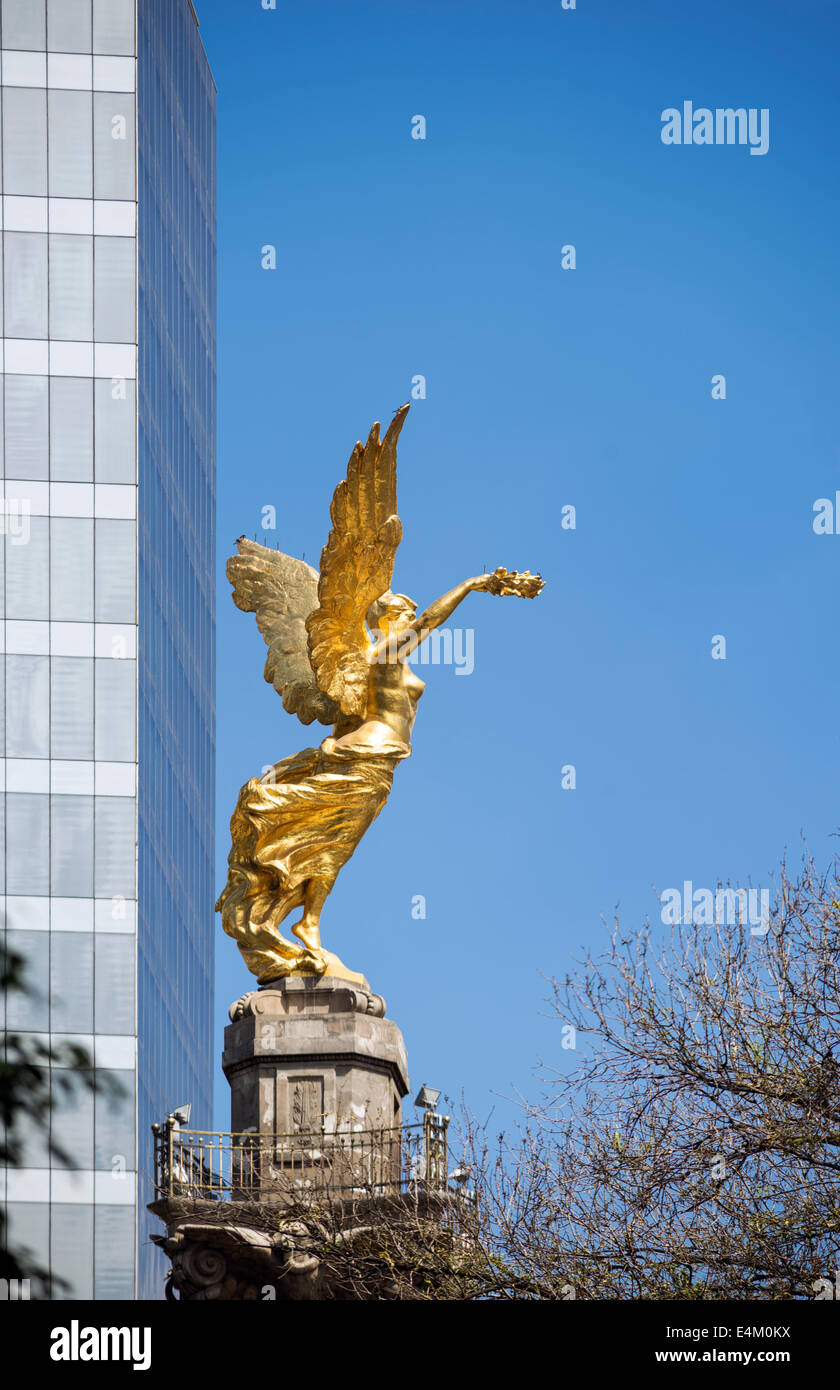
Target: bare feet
[{"x": 308, "y": 933}]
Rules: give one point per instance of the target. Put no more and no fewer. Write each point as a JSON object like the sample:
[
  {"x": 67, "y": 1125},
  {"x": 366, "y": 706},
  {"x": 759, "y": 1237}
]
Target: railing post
[
  {"x": 436, "y": 1146},
  {"x": 170, "y": 1151},
  {"x": 156, "y": 1156}
]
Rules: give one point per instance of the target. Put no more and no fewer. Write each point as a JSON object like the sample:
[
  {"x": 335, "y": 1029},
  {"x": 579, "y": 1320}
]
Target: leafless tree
[{"x": 693, "y": 1151}]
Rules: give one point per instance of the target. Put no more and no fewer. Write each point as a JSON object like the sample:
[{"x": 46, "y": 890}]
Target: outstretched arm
[
  {"x": 444, "y": 607},
  {"x": 501, "y": 581}
]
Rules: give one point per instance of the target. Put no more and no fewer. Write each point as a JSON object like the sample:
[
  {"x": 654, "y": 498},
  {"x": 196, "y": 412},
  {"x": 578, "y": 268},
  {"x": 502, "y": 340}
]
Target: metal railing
[{"x": 212, "y": 1165}]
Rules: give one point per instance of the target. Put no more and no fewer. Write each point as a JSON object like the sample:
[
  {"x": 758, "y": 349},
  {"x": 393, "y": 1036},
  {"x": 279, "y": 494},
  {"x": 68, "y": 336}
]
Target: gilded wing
[
  {"x": 356, "y": 567},
  {"x": 282, "y": 592}
]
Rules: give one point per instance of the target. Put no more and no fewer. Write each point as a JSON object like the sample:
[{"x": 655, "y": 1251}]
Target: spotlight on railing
[{"x": 427, "y": 1098}]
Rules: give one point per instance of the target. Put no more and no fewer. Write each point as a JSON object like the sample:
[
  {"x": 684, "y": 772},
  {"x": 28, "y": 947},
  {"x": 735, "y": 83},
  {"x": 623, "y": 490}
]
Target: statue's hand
[{"x": 503, "y": 582}]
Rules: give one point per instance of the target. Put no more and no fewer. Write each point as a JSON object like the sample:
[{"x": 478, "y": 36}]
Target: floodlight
[{"x": 427, "y": 1098}]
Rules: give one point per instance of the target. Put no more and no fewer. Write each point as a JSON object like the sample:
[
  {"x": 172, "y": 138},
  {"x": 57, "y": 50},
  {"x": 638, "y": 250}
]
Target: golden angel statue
[{"x": 338, "y": 648}]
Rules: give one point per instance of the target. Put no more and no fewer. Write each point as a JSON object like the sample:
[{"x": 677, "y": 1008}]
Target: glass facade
[
  {"x": 177, "y": 444},
  {"x": 107, "y": 401}
]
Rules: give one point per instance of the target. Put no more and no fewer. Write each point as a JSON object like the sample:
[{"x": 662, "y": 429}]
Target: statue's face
[
  {"x": 397, "y": 612},
  {"x": 398, "y": 618}
]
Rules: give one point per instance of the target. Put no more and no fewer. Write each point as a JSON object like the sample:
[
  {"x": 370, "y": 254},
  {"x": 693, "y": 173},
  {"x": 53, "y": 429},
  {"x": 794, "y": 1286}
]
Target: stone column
[{"x": 313, "y": 1054}]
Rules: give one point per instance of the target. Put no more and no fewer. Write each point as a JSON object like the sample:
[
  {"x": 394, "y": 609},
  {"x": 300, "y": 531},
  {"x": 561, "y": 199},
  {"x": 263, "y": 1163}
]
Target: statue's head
[{"x": 391, "y": 613}]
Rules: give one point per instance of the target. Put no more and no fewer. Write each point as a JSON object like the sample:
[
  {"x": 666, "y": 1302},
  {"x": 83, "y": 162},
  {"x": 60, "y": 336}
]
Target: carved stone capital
[{"x": 333, "y": 995}]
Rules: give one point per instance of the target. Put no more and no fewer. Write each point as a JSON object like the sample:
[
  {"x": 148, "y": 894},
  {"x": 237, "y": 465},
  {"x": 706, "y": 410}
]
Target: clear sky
[{"x": 545, "y": 387}]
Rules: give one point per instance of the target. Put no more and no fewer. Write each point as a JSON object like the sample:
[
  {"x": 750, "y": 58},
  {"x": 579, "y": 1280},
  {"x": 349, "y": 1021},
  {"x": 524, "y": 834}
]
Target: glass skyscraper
[{"x": 107, "y": 161}]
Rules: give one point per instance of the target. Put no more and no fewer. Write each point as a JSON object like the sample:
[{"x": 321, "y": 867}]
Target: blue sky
[{"x": 545, "y": 387}]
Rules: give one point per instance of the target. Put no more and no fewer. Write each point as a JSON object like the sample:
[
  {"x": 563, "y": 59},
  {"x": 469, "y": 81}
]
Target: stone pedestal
[
  {"x": 315, "y": 1161},
  {"x": 313, "y": 1054}
]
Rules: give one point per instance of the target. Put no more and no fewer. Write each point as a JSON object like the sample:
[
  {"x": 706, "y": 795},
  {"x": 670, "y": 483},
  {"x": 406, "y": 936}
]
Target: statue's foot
[
  {"x": 311, "y": 963},
  {"x": 308, "y": 933},
  {"x": 273, "y": 967},
  {"x": 270, "y": 968},
  {"x": 336, "y": 967}
]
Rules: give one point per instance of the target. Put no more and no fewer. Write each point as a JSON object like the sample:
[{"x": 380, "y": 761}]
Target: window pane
[
  {"x": 28, "y": 1008},
  {"x": 71, "y": 144},
  {"x": 115, "y": 847},
  {"x": 69, "y": 26},
  {"x": 71, "y": 287},
  {"x": 71, "y": 429},
  {"x": 113, "y": 26},
  {"x": 71, "y": 570},
  {"x": 114, "y": 1252},
  {"x": 25, "y": 281},
  {"x": 72, "y": 1115},
  {"x": 113, "y": 969},
  {"x": 25, "y": 140},
  {"x": 115, "y": 441},
  {"x": 28, "y": 573},
  {"x": 33, "y": 1137},
  {"x": 113, "y": 145},
  {"x": 71, "y": 725},
  {"x": 71, "y": 985},
  {"x": 27, "y": 714},
  {"x": 115, "y": 566},
  {"x": 116, "y": 698},
  {"x": 28, "y": 849},
  {"x": 24, "y": 24},
  {"x": 28, "y": 1230},
  {"x": 72, "y": 1249},
  {"x": 115, "y": 1119},
  {"x": 114, "y": 289},
  {"x": 71, "y": 857},
  {"x": 27, "y": 427}
]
